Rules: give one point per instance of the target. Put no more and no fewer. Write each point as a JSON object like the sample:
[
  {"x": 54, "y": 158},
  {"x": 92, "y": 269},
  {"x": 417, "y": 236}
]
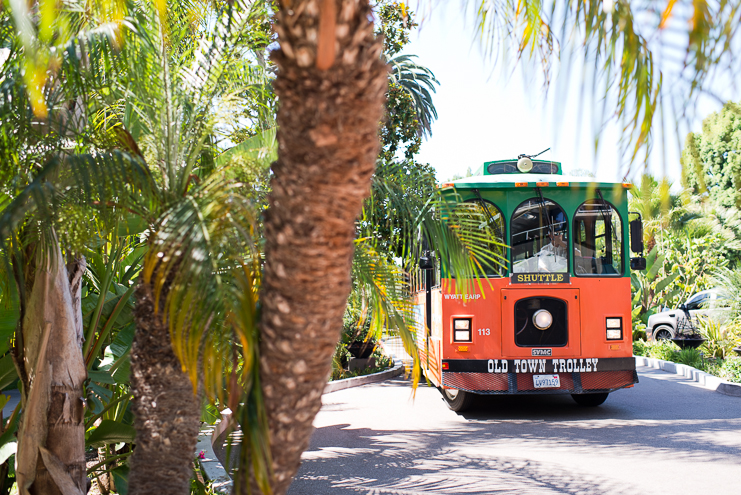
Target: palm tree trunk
[
  {"x": 166, "y": 409},
  {"x": 51, "y": 456},
  {"x": 330, "y": 85}
]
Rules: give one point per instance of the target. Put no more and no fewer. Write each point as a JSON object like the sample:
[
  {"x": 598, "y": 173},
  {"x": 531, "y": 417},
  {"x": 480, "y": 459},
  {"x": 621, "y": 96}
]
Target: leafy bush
[
  {"x": 342, "y": 356},
  {"x": 721, "y": 337},
  {"x": 662, "y": 349},
  {"x": 356, "y": 323},
  {"x": 382, "y": 361},
  {"x": 731, "y": 369},
  {"x": 640, "y": 347},
  {"x": 728, "y": 369},
  {"x": 339, "y": 360},
  {"x": 713, "y": 367},
  {"x": 690, "y": 357},
  {"x": 639, "y": 330}
]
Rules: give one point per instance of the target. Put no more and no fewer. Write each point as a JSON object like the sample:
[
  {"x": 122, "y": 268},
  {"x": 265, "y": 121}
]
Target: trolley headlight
[
  {"x": 461, "y": 329},
  {"x": 542, "y": 319},
  {"x": 614, "y": 328}
]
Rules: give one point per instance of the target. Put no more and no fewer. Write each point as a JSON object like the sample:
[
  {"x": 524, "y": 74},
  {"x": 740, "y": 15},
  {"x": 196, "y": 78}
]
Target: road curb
[
  {"x": 211, "y": 468},
  {"x": 705, "y": 380},
  {"x": 357, "y": 381}
]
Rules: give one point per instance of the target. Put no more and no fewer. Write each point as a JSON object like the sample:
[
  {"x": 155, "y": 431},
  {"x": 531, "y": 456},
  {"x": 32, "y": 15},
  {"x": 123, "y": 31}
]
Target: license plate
[{"x": 546, "y": 381}]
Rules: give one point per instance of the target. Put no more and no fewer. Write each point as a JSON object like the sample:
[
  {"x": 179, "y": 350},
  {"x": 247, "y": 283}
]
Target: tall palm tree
[
  {"x": 176, "y": 80},
  {"x": 165, "y": 95},
  {"x": 40, "y": 122},
  {"x": 327, "y": 136},
  {"x": 327, "y": 148}
]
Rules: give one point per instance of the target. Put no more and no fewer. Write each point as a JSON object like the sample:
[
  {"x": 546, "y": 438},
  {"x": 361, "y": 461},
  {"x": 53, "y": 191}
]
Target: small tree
[{"x": 711, "y": 159}]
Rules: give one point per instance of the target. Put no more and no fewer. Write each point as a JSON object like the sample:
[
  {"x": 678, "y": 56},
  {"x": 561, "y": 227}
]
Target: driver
[
  {"x": 556, "y": 243},
  {"x": 553, "y": 256}
]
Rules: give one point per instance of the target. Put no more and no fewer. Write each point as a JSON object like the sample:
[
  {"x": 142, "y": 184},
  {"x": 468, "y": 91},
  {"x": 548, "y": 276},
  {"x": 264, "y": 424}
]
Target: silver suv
[{"x": 711, "y": 303}]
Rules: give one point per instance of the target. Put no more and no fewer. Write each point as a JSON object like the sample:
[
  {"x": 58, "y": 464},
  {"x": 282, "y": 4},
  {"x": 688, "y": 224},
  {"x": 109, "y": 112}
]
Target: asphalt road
[{"x": 664, "y": 436}]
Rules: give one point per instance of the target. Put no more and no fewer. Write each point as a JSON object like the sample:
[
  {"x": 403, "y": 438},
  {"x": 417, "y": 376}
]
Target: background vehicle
[
  {"x": 557, "y": 319},
  {"x": 711, "y": 303}
]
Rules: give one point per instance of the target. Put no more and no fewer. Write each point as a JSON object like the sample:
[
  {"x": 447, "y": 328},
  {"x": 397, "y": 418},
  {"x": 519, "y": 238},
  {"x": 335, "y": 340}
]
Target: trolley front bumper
[{"x": 538, "y": 376}]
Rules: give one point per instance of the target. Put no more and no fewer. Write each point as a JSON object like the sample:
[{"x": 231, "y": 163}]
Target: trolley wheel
[
  {"x": 590, "y": 400},
  {"x": 662, "y": 333},
  {"x": 457, "y": 400}
]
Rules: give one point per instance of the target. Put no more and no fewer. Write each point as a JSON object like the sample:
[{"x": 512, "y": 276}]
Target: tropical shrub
[
  {"x": 731, "y": 369},
  {"x": 728, "y": 369},
  {"x": 721, "y": 337},
  {"x": 689, "y": 238},
  {"x": 662, "y": 349},
  {"x": 640, "y": 347},
  {"x": 639, "y": 329},
  {"x": 690, "y": 357}
]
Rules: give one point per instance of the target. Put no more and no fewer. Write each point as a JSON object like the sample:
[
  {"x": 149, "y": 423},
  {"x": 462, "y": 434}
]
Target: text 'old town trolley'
[{"x": 556, "y": 316}]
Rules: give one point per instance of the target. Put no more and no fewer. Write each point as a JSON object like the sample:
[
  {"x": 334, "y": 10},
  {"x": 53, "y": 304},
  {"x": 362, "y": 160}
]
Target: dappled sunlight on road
[
  {"x": 377, "y": 440},
  {"x": 419, "y": 467}
]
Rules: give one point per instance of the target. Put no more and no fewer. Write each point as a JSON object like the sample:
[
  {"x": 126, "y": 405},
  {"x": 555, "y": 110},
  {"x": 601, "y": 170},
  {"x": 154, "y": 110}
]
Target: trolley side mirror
[
  {"x": 636, "y": 242},
  {"x": 636, "y": 235},
  {"x": 425, "y": 262}
]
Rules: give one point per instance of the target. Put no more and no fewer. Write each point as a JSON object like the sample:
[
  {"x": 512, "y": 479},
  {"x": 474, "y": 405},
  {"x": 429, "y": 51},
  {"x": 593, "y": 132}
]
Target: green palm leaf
[{"x": 419, "y": 82}]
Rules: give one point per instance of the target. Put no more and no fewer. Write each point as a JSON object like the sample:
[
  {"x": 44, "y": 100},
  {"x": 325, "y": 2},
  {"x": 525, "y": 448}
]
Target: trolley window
[
  {"x": 483, "y": 223},
  {"x": 540, "y": 238},
  {"x": 598, "y": 243}
]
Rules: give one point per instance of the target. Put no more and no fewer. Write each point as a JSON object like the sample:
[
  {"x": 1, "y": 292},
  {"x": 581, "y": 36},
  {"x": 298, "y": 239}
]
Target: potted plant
[
  {"x": 355, "y": 334},
  {"x": 687, "y": 337}
]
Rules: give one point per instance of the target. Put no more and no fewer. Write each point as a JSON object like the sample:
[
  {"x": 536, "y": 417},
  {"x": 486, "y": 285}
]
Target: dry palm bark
[
  {"x": 51, "y": 456},
  {"x": 166, "y": 410},
  {"x": 331, "y": 84}
]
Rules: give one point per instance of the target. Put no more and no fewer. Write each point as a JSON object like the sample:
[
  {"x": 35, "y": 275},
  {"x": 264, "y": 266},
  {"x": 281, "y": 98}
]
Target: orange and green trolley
[{"x": 555, "y": 315}]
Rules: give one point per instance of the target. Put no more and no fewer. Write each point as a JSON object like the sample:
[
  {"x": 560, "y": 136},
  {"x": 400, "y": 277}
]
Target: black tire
[
  {"x": 590, "y": 400},
  {"x": 457, "y": 400},
  {"x": 662, "y": 333}
]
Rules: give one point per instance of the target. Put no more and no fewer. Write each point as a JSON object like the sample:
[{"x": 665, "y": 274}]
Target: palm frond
[
  {"x": 453, "y": 230},
  {"x": 201, "y": 245},
  {"x": 207, "y": 251},
  {"x": 460, "y": 234},
  {"x": 178, "y": 73},
  {"x": 419, "y": 82},
  {"x": 635, "y": 67},
  {"x": 260, "y": 150},
  {"x": 100, "y": 179},
  {"x": 384, "y": 288}
]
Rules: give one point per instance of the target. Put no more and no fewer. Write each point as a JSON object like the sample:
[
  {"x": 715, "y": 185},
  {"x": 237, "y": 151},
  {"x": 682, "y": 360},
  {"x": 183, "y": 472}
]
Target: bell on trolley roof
[{"x": 524, "y": 164}]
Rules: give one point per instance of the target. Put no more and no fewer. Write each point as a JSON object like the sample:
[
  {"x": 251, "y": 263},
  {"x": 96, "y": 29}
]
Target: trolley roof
[{"x": 506, "y": 181}]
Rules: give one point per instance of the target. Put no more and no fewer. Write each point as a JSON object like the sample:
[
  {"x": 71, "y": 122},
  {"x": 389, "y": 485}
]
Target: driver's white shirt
[{"x": 549, "y": 259}]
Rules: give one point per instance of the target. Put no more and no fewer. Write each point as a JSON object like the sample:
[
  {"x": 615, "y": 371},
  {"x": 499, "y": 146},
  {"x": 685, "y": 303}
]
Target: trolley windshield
[{"x": 540, "y": 240}]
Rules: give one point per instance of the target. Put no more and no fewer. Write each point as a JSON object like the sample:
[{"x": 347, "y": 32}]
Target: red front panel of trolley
[{"x": 493, "y": 322}]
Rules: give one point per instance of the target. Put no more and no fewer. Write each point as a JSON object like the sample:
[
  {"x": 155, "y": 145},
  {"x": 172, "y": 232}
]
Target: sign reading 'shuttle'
[{"x": 540, "y": 278}]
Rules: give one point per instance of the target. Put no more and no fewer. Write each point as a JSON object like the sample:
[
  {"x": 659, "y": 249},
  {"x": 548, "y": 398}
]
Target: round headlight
[
  {"x": 542, "y": 319},
  {"x": 524, "y": 164}
]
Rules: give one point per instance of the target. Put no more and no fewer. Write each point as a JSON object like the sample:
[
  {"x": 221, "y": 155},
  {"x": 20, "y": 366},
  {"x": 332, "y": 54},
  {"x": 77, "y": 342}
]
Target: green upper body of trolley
[{"x": 504, "y": 186}]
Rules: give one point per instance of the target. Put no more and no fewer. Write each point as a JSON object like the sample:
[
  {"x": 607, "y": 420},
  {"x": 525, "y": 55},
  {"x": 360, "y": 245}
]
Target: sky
[{"x": 486, "y": 114}]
